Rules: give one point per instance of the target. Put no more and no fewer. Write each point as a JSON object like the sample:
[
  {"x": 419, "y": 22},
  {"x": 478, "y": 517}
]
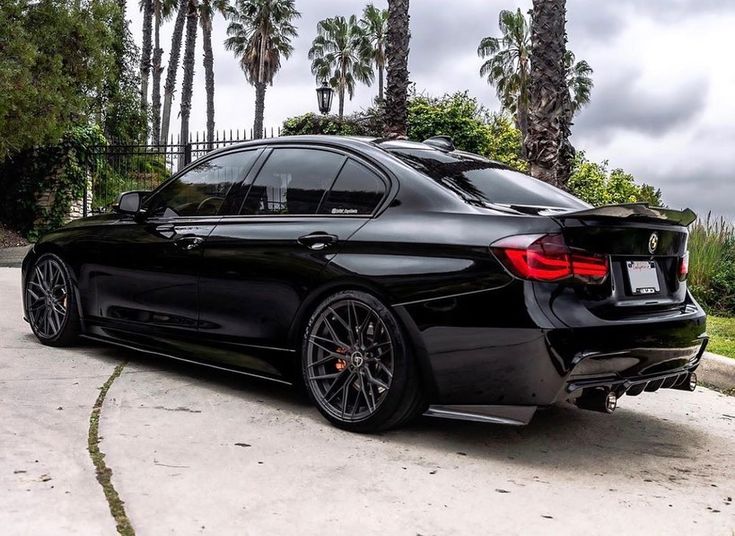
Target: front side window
[
  {"x": 292, "y": 181},
  {"x": 201, "y": 191},
  {"x": 357, "y": 190}
]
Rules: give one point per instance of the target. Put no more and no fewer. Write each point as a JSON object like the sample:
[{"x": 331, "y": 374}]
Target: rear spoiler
[{"x": 636, "y": 211}]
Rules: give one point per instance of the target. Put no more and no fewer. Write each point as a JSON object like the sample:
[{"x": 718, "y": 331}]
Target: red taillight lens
[
  {"x": 548, "y": 258},
  {"x": 684, "y": 267}
]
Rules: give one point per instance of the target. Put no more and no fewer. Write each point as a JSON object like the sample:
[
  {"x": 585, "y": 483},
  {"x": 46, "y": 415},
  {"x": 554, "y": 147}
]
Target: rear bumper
[{"x": 504, "y": 359}]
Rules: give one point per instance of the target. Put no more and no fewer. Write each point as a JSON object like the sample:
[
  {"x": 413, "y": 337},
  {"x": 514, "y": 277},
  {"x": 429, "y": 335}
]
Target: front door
[{"x": 145, "y": 282}]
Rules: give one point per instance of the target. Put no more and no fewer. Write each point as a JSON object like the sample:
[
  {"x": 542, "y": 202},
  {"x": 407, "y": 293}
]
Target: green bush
[
  {"x": 595, "y": 184},
  {"x": 136, "y": 172},
  {"x": 712, "y": 264},
  {"x": 311, "y": 123}
]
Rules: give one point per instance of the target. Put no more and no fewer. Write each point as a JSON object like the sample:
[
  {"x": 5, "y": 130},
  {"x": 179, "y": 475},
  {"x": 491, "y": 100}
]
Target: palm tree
[
  {"x": 550, "y": 108},
  {"x": 162, "y": 10},
  {"x": 207, "y": 11},
  {"x": 374, "y": 23},
  {"x": 192, "y": 17},
  {"x": 579, "y": 81},
  {"x": 341, "y": 53},
  {"x": 259, "y": 33},
  {"x": 145, "y": 54},
  {"x": 508, "y": 68},
  {"x": 173, "y": 65},
  {"x": 396, "y": 52}
]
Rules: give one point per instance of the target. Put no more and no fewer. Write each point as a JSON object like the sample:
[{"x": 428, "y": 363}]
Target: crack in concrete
[{"x": 104, "y": 473}]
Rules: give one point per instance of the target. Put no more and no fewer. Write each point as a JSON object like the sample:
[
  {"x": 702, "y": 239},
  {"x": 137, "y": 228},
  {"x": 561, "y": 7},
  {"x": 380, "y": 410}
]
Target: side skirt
[{"x": 169, "y": 356}]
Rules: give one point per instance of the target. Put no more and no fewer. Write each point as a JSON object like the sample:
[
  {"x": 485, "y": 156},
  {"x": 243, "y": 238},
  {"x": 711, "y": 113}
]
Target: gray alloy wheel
[
  {"x": 50, "y": 304},
  {"x": 357, "y": 366}
]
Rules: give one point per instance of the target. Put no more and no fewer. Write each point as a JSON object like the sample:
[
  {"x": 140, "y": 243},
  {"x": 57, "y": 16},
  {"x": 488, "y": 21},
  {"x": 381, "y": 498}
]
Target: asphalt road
[{"x": 194, "y": 451}]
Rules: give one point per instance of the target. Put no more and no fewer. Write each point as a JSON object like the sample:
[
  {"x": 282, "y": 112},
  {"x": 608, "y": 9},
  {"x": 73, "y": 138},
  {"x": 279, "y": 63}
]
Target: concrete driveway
[{"x": 194, "y": 451}]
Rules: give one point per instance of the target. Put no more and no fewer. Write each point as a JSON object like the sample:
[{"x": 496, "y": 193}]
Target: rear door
[{"x": 260, "y": 263}]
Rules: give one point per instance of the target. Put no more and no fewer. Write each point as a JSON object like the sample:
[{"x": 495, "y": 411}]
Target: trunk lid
[{"x": 645, "y": 246}]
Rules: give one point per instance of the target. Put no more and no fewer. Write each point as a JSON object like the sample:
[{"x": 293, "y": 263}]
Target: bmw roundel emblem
[{"x": 652, "y": 243}]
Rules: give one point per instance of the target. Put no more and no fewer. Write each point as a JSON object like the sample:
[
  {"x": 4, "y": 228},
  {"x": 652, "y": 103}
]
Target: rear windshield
[{"x": 481, "y": 181}]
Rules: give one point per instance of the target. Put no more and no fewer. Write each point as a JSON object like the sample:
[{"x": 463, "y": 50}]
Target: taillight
[
  {"x": 683, "y": 267},
  {"x": 548, "y": 258}
]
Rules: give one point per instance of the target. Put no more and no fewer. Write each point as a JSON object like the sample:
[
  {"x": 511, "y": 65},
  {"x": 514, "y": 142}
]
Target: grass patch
[
  {"x": 722, "y": 335},
  {"x": 104, "y": 473}
]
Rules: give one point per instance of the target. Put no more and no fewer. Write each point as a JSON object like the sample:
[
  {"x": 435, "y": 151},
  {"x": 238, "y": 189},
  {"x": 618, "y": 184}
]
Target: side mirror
[{"x": 129, "y": 203}]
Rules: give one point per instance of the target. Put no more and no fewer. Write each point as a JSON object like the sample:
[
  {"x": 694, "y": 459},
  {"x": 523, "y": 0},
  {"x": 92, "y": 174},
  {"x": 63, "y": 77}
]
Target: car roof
[{"x": 349, "y": 142}]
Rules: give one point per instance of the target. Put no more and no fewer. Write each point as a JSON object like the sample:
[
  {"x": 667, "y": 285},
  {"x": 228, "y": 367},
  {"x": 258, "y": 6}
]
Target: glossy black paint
[{"x": 235, "y": 291}]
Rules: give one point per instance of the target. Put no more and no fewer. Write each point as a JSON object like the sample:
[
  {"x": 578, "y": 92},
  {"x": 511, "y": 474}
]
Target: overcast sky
[{"x": 663, "y": 106}]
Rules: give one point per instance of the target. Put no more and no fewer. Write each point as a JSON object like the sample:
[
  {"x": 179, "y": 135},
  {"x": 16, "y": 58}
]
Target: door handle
[
  {"x": 189, "y": 242},
  {"x": 318, "y": 240}
]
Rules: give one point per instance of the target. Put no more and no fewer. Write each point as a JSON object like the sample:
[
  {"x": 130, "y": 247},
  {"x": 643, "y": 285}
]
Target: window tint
[
  {"x": 292, "y": 181},
  {"x": 356, "y": 191},
  {"x": 477, "y": 180},
  {"x": 202, "y": 190}
]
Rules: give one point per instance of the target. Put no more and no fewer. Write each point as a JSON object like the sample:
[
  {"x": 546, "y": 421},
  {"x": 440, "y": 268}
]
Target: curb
[
  {"x": 717, "y": 371},
  {"x": 13, "y": 257}
]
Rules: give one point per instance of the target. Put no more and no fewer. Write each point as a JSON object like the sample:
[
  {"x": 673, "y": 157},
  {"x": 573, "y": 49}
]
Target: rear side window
[
  {"x": 357, "y": 190},
  {"x": 477, "y": 180},
  {"x": 292, "y": 181}
]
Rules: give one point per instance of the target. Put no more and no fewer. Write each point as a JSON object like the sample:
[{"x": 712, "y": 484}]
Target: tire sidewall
[{"x": 403, "y": 362}]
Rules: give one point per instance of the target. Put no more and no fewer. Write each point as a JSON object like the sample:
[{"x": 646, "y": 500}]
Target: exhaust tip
[
  {"x": 692, "y": 382},
  {"x": 602, "y": 400},
  {"x": 611, "y": 402}
]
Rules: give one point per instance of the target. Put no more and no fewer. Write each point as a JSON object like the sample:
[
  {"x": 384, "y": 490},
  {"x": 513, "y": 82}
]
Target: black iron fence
[{"x": 124, "y": 167}]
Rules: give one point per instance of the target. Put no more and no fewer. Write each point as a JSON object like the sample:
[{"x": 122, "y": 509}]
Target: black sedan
[{"x": 389, "y": 278}]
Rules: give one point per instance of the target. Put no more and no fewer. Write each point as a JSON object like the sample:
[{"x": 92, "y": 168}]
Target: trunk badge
[{"x": 652, "y": 243}]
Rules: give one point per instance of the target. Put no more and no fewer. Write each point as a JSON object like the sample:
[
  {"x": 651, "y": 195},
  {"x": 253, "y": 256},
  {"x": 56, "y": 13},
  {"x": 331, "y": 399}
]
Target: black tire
[
  {"x": 360, "y": 360},
  {"x": 49, "y": 291}
]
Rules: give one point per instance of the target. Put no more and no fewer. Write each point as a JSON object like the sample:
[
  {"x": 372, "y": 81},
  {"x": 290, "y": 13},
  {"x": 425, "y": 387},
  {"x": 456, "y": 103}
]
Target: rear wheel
[
  {"x": 50, "y": 303},
  {"x": 357, "y": 365}
]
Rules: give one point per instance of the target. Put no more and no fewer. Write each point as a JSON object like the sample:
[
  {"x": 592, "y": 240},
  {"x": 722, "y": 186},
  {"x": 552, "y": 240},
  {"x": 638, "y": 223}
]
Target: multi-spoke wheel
[
  {"x": 49, "y": 302},
  {"x": 356, "y": 364}
]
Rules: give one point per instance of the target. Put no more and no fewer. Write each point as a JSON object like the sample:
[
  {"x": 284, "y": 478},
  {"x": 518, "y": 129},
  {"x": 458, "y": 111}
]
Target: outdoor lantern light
[{"x": 324, "y": 97}]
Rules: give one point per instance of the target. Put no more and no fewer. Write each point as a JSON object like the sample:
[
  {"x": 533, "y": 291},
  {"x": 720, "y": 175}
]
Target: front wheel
[
  {"x": 357, "y": 365},
  {"x": 50, "y": 303}
]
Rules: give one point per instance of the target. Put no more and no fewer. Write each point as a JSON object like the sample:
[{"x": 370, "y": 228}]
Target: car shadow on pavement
[{"x": 561, "y": 437}]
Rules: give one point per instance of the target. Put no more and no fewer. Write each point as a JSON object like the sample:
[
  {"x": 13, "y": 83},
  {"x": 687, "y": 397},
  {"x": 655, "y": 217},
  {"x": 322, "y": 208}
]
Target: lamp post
[{"x": 324, "y": 96}]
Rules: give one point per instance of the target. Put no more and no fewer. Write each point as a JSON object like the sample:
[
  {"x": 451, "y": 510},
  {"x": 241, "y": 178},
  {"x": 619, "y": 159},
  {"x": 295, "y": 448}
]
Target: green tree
[
  {"x": 341, "y": 54},
  {"x": 598, "y": 185},
  {"x": 507, "y": 68},
  {"x": 260, "y": 33},
  {"x": 396, "y": 52},
  {"x": 146, "y": 6},
  {"x": 57, "y": 59},
  {"x": 374, "y": 23}
]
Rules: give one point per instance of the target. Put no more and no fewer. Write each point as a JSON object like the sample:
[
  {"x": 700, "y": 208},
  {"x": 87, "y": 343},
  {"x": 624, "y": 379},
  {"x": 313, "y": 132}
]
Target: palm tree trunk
[
  {"x": 341, "y": 101},
  {"x": 547, "y": 143},
  {"x": 157, "y": 69},
  {"x": 145, "y": 53},
  {"x": 173, "y": 65},
  {"x": 208, "y": 77},
  {"x": 189, "y": 50},
  {"x": 396, "y": 51},
  {"x": 260, "y": 88},
  {"x": 380, "y": 83}
]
